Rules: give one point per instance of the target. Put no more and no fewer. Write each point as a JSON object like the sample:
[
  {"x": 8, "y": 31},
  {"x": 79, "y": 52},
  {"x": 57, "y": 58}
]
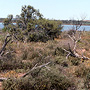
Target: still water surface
[
  {"x": 65, "y": 27},
  {"x": 68, "y": 27},
  {"x": 1, "y": 26}
]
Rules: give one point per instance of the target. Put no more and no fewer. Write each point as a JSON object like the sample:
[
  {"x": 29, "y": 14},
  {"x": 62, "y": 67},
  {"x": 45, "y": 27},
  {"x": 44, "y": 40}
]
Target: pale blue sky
[{"x": 52, "y": 9}]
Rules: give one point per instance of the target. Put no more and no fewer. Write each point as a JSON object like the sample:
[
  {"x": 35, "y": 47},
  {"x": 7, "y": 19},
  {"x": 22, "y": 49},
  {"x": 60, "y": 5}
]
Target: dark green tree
[
  {"x": 51, "y": 27},
  {"x": 31, "y": 26},
  {"x": 29, "y": 15},
  {"x": 8, "y": 20}
]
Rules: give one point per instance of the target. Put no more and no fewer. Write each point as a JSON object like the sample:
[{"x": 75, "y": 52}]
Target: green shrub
[
  {"x": 59, "y": 51},
  {"x": 10, "y": 65},
  {"x": 10, "y": 62},
  {"x": 44, "y": 80},
  {"x": 74, "y": 61},
  {"x": 61, "y": 60},
  {"x": 29, "y": 53},
  {"x": 82, "y": 71},
  {"x": 37, "y": 36}
]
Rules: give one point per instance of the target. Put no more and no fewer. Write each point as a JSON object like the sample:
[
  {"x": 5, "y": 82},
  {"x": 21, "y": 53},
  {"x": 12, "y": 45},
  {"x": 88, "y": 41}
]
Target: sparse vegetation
[
  {"x": 26, "y": 55},
  {"x": 32, "y": 43}
]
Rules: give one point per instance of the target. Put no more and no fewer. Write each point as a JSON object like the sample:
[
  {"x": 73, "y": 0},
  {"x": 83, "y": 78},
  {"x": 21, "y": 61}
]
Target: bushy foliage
[
  {"x": 8, "y": 20},
  {"x": 45, "y": 80},
  {"x": 31, "y": 26},
  {"x": 74, "y": 61},
  {"x": 37, "y": 36},
  {"x": 59, "y": 51},
  {"x": 28, "y": 16},
  {"x": 9, "y": 62},
  {"x": 82, "y": 71},
  {"x": 87, "y": 81},
  {"x": 52, "y": 27}
]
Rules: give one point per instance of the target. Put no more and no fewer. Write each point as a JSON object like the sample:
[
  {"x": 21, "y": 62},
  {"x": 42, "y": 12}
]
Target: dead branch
[
  {"x": 34, "y": 68},
  {"x": 75, "y": 38},
  {"x": 7, "y": 40},
  {"x": 2, "y": 79},
  {"x": 72, "y": 52}
]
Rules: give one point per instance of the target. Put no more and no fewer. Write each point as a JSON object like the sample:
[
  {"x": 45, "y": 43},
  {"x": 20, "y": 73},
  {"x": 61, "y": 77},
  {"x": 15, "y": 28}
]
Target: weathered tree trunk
[{"x": 72, "y": 52}]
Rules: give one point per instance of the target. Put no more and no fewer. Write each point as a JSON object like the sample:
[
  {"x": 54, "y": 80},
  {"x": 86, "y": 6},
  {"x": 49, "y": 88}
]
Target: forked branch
[
  {"x": 7, "y": 40},
  {"x": 72, "y": 52},
  {"x": 35, "y": 67}
]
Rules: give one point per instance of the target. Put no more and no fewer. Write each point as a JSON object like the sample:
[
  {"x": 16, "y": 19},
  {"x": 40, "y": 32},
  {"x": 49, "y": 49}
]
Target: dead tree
[{"x": 75, "y": 37}]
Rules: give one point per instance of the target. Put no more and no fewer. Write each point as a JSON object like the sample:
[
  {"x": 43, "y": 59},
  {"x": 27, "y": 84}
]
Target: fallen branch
[
  {"x": 75, "y": 54},
  {"x": 2, "y": 79},
  {"x": 35, "y": 67},
  {"x": 72, "y": 52}
]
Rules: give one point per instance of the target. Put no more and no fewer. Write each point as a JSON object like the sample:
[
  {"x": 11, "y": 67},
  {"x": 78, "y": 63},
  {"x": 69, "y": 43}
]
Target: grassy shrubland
[
  {"x": 61, "y": 74},
  {"x": 37, "y": 41},
  {"x": 44, "y": 80}
]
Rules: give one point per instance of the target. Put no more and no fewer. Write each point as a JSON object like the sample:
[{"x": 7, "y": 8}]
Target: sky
[{"x": 51, "y": 9}]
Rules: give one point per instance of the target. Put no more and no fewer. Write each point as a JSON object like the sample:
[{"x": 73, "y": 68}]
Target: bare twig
[
  {"x": 2, "y": 79},
  {"x": 35, "y": 67},
  {"x": 70, "y": 37},
  {"x": 75, "y": 38},
  {"x": 7, "y": 40},
  {"x": 73, "y": 52}
]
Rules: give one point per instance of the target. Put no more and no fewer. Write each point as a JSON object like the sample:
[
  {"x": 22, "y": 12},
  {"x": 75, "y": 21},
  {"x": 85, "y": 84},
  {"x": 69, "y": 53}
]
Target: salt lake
[{"x": 65, "y": 27}]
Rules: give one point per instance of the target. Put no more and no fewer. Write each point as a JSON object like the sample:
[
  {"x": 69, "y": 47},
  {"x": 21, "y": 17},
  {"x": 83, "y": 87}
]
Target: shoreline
[{"x": 75, "y": 25}]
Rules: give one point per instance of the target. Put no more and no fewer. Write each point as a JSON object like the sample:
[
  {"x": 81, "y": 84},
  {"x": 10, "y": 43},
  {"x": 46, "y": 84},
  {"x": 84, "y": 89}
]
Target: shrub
[
  {"x": 45, "y": 80},
  {"x": 37, "y": 36},
  {"x": 75, "y": 61},
  {"x": 61, "y": 60},
  {"x": 87, "y": 81},
  {"x": 9, "y": 65},
  {"x": 82, "y": 71},
  {"x": 10, "y": 62},
  {"x": 59, "y": 51},
  {"x": 29, "y": 53}
]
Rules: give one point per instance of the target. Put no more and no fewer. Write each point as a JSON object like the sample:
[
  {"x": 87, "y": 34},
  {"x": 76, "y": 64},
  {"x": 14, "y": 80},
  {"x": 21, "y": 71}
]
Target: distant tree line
[
  {"x": 1, "y": 19},
  {"x": 87, "y": 22}
]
